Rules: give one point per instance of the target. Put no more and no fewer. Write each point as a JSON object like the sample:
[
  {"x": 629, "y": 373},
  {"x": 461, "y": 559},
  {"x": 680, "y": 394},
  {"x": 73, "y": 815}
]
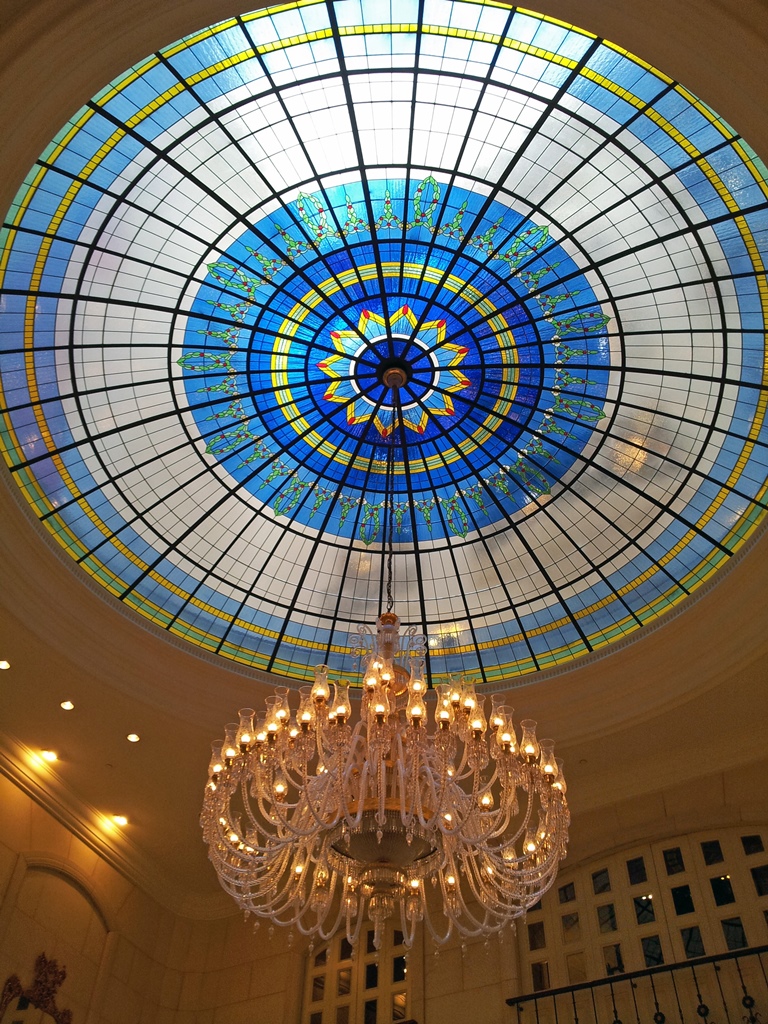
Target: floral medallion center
[{"x": 427, "y": 361}]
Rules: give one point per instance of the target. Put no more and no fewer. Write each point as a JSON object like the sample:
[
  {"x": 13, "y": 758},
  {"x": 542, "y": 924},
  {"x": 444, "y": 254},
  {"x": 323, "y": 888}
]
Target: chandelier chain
[{"x": 389, "y": 491}]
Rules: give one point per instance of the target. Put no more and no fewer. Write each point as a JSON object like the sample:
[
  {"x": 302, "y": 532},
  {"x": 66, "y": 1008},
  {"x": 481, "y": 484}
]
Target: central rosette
[{"x": 395, "y": 349}]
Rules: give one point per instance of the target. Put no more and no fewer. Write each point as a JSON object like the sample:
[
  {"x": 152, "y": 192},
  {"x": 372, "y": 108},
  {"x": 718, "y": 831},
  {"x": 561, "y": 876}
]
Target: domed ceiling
[{"x": 209, "y": 270}]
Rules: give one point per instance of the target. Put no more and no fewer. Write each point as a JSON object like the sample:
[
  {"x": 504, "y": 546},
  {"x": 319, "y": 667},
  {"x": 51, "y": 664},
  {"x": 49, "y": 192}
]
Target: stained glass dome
[{"x": 208, "y": 271}]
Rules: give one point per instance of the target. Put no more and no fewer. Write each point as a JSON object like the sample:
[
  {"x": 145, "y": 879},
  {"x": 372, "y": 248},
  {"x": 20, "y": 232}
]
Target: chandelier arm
[
  {"x": 307, "y": 807},
  {"x": 492, "y": 822},
  {"x": 226, "y": 824},
  {"x": 409, "y": 933},
  {"x": 463, "y": 771},
  {"x": 436, "y": 789},
  {"x": 327, "y": 935},
  {"x": 423, "y": 773},
  {"x": 352, "y": 937},
  {"x": 295, "y": 761},
  {"x": 441, "y": 798},
  {"x": 496, "y": 820},
  {"x": 322, "y": 914},
  {"x": 411, "y": 807},
  {"x": 247, "y": 806},
  {"x": 274, "y": 812},
  {"x": 399, "y": 775},
  {"x": 456, "y": 909},
  {"x": 437, "y": 938},
  {"x": 353, "y": 820},
  {"x": 459, "y": 913},
  {"x": 480, "y": 883},
  {"x": 408, "y": 789},
  {"x": 382, "y": 793}
]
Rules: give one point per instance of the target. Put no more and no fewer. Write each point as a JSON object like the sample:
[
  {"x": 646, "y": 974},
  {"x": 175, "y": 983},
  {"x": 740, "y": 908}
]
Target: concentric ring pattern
[{"x": 208, "y": 272}]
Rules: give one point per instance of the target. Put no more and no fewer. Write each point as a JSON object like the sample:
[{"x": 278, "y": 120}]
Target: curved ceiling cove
[{"x": 209, "y": 270}]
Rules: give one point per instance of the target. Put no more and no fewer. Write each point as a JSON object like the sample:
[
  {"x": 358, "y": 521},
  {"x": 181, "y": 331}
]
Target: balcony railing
[{"x": 728, "y": 989}]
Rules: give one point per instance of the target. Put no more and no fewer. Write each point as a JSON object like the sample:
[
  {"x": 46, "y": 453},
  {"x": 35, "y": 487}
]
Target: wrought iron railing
[{"x": 728, "y": 989}]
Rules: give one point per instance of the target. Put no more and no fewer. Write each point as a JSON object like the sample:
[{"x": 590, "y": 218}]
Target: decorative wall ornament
[{"x": 47, "y": 981}]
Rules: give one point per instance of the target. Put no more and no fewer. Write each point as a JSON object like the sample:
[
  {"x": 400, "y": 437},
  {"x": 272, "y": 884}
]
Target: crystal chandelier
[{"x": 317, "y": 818}]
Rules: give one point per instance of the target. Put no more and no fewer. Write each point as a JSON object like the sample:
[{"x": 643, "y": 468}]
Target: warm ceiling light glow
[
  {"x": 133, "y": 737},
  {"x": 67, "y": 705},
  {"x": 49, "y": 755},
  {"x": 5, "y": 664},
  {"x": 119, "y": 819}
]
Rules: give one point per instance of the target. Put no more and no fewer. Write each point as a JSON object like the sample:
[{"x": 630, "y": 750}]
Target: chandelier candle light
[{"x": 315, "y": 820}]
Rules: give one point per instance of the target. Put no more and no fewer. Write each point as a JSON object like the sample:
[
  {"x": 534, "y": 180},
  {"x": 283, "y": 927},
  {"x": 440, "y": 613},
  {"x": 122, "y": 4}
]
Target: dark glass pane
[
  {"x": 752, "y": 844},
  {"x": 371, "y": 975},
  {"x": 614, "y": 964},
  {"x": 369, "y": 1015},
  {"x": 681, "y": 897},
  {"x": 692, "y": 943},
  {"x": 318, "y": 988},
  {"x": 601, "y": 881},
  {"x": 399, "y": 969},
  {"x": 733, "y": 930},
  {"x": 606, "y": 917},
  {"x": 567, "y": 893},
  {"x": 342, "y": 1014},
  {"x": 636, "y": 871},
  {"x": 644, "y": 911},
  {"x": 722, "y": 890},
  {"x": 712, "y": 852},
  {"x": 345, "y": 951},
  {"x": 316, "y": 1018},
  {"x": 344, "y": 986},
  {"x": 760, "y": 878},
  {"x": 536, "y": 906},
  {"x": 369, "y": 946},
  {"x": 321, "y": 958},
  {"x": 652, "y": 951},
  {"x": 673, "y": 860},
  {"x": 536, "y": 938},
  {"x": 571, "y": 928},
  {"x": 397, "y": 938},
  {"x": 398, "y": 1006},
  {"x": 540, "y": 976}
]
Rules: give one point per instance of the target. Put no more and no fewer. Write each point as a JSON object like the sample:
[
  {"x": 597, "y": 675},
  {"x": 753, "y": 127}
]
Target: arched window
[{"x": 365, "y": 986}]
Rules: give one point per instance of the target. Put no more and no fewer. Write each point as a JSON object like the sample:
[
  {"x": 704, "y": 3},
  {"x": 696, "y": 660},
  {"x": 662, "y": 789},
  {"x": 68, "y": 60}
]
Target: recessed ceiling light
[
  {"x": 5, "y": 664},
  {"x": 49, "y": 755},
  {"x": 133, "y": 737},
  {"x": 119, "y": 819},
  {"x": 67, "y": 705}
]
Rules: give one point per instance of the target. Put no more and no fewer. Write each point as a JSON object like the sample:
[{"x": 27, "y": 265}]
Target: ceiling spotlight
[
  {"x": 49, "y": 755},
  {"x": 133, "y": 737},
  {"x": 119, "y": 819},
  {"x": 4, "y": 665},
  {"x": 67, "y": 705}
]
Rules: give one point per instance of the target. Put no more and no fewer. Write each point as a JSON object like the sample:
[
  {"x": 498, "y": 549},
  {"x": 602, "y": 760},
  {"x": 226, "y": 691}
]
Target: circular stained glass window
[{"x": 215, "y": 272}]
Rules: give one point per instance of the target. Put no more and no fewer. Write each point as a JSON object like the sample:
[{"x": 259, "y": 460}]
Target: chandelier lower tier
[{"x": 317, "y": 822}]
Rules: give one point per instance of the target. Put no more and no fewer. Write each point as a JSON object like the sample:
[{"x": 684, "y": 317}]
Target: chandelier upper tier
[{"x": 317, "y": 821}]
